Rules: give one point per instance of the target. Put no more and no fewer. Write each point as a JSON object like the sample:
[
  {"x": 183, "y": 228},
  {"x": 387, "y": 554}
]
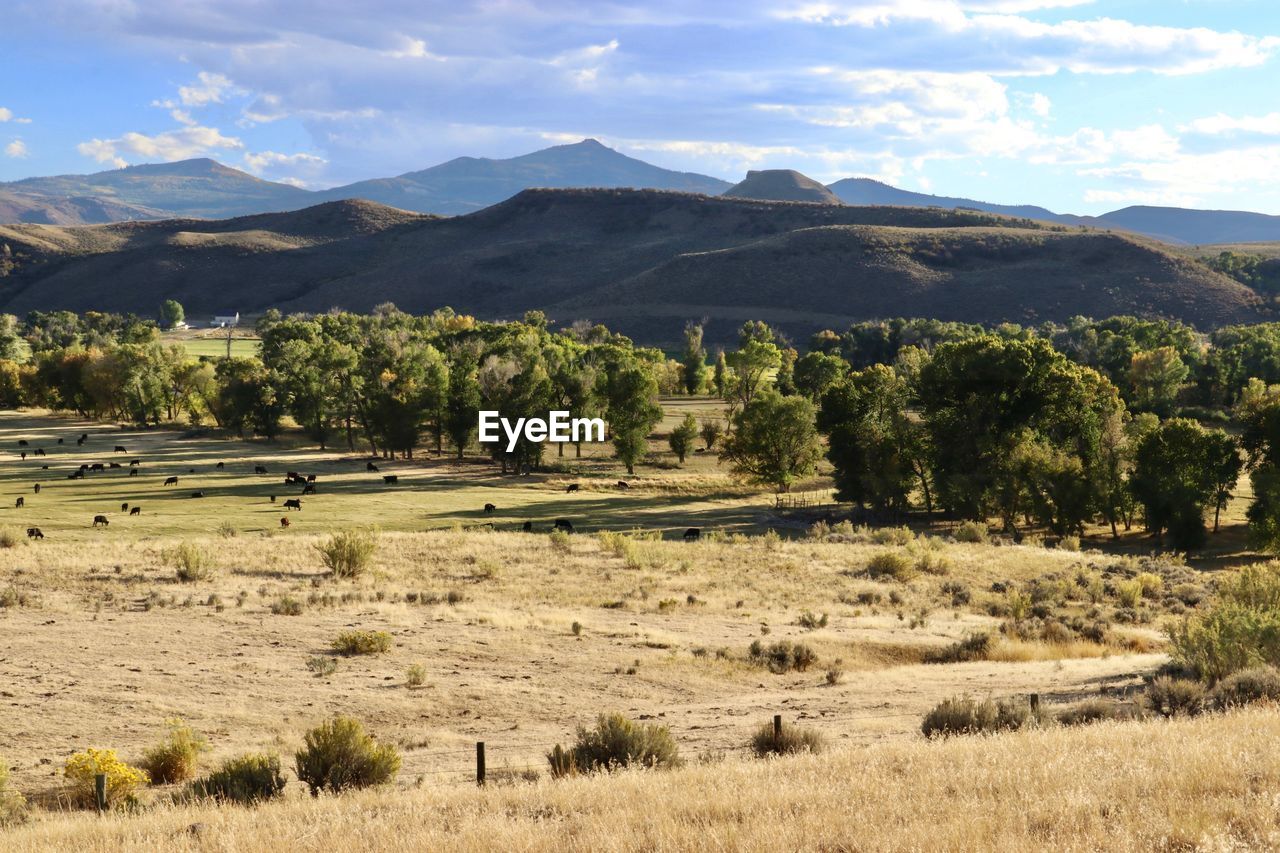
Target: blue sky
[{"x": 1080, "y": 106}]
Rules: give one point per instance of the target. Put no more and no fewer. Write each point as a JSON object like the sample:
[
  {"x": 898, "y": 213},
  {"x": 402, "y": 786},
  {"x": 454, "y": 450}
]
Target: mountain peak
[
  {"x": 197, "y": 167},
  {"x": 782, "y": 185}
]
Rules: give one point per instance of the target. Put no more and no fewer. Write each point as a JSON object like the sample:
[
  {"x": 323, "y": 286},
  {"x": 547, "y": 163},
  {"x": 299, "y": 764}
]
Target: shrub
[
  {"x": 790, "y": 740},
  {"x": 13, "y": 807},
  {"x": 1096, "y": 710},
  {"x": 1150, "y": 584},
  {"x": 362, "y": 643},
  {"x": 975, "y": 646},
  {"x": 348, "y": 553},
  {"x": 416, "y": 676},
  {"x": 1239, "y": 630},
  {"x": 782, "y": 656},
  {"x": 123, "y": 780},
  {"x": 891, "y": 564},
  {"x": 970, "y": 531},
  {"x": 286, "y": 605},
  {"x": 9, "y": 538},
  {"x": 892, "y": 535},
  {"x": 227, "y": 530},
  {"x": 1175, "y": 697},
  {"x": 174, "y": 758},
  {"x": 932, "y": 562},
  {"x": 339, "y": 754},
  {"x": 965, "y": 715},
  {"x": 616, "y": 741},
  {"x": 560, "y": 541},
  {"x": 810, "y": 622},
  {"x": 1069, "y": 543},
  {"x": 321, "y": 666},
  {"x": 1256, "y": 684},
  {"x": 247, "y": 779},
  {"x": 192, "y": 562}
]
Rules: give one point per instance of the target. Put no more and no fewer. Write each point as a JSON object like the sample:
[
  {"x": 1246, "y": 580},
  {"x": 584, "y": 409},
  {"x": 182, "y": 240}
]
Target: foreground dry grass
[{"x": 1208, "y": 783}]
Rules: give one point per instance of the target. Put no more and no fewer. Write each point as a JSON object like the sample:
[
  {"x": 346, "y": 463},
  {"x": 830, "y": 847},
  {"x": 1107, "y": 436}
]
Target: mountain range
[
  {"x": 641, "y": 261},
  {"x": 206, "y": 189}
]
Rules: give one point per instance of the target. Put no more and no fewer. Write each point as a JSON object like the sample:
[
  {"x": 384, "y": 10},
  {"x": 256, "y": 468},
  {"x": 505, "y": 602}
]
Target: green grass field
[
  {"x": 431, "y": 493},
  {"x": 213, "y": 345}
]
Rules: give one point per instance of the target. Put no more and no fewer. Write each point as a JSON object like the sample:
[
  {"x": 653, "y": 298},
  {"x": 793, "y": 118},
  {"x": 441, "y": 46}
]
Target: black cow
[
  {"x": 309, "y": 489},
  {"x": 113, "y": 464},
  {"x": 284, "y": 522},
  {"x": 273, "y": 498},
  {"x": 22, "y": 442},
  {"x": 693, "y": 534},
  {"x": 311, "y": 478},
  {"x": 34, "y": 533},
  {"x": 20, "y": 502},
  {"x": 40, "y": 451},
  {"x": 527, "y": 527},
  {"x": 59, "y": 441},
  {"x": 100, "y": 521},
  {"x": 133, "y": 472},
  {"x": 171, "y": 481},
  {"x": 44, "y": 467},
  {"x": 489, "y": 508},
  {"x": 124, "y": 507},
  {"x": 623, "y": 484},
  {"x": 120, "y": 449},
  {"x": 291, "y": 475},
  {"x": 259, "y": 469},
  {"x": 191, "y": 470},
  {"x": 133, "y": 463},
  {"x": 293, "y": 503},
  {"x": 390, "y": 479},
  {"x": 24, "y": 455},
  {"x": 573, "y": 487},
  {"x": 97, "y": 466},
  {"x": 80, "y": 441},
  {"x": 219, "y": 466},
  {"x": 36, "y": 488},
  {"x": 84, "y": 436},
  {"x": 197, "y": 494},
  {"x": 76, "y": 475},
  {"x": 84, "y": 467},
  {"x": 369, "y": 466},
  {"x": 137, "y": 510},
  {"x": 564, "y": 524}
]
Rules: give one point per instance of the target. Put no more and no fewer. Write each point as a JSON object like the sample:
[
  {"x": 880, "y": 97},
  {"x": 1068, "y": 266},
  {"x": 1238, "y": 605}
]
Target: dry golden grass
[{"x": 1113, "y": 786}]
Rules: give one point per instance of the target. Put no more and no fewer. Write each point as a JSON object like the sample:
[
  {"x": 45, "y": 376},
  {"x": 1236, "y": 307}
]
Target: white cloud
[
  {"x": 209, "y": 90},
  {"x": 7, "y": 115},
  {"x": 16, "y": 149},
  {"x": 181, "y": 144},
  {"x": 412, "y": 48}
]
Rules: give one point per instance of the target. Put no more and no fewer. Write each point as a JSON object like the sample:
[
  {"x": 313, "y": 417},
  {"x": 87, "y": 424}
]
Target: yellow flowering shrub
[{"x": 123, "y": 780}]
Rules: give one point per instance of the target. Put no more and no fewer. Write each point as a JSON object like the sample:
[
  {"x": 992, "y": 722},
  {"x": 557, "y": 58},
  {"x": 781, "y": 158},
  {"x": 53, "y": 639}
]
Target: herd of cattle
[{"x": 292, "y": 478}]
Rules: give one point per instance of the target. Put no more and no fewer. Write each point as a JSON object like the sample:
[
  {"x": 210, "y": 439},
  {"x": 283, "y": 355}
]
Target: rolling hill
[
  {"x": 641, "y": 260},
  {"x": 781, "y": 185}
]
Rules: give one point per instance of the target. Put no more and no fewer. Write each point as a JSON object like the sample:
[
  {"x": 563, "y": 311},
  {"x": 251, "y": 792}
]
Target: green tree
[
  {"x": 693, "y": 360},
  {"x": 774, "y": 440},
  {"x": 720, "y": 378},
  {"x": 815, "y": 372},
  {"x": 1175, "y": 480},
  {"x": 631, "y": 410},
  {"x": 683, "y": 437},
  {"x": 462, "y": 409},
  {"x": 1155, "y": 377},
  {"x": 711, "y": 431},
  {"x": 171, "y": 313}
]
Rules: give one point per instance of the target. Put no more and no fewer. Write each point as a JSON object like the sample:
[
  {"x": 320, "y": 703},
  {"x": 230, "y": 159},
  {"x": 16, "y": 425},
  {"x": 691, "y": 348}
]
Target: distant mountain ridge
[{"x": 205, "y": 188}]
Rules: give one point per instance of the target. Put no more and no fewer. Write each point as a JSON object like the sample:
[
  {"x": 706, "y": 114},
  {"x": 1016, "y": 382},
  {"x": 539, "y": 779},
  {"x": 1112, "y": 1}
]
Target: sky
[{"x": 1079, "y": 106}]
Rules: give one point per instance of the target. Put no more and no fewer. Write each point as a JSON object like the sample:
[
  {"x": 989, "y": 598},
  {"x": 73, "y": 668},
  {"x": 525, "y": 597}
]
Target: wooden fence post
[
  {"x": 480, "y": 763},
  {"x": 1035, "y": 703},
  {"x": 777, "y": 727},
  {"x": 100, "y": 791}
]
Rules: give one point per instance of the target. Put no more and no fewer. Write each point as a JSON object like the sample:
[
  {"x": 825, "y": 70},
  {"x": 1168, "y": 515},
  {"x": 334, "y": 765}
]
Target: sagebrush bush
[
  {"x": 320, "y": 666},
  {"x": 791, "y": 739},
  {"x": 192, "y": 562},
  {"x": 286, "y": 605},
  {"x": 891, "y": 564},
  {"x": 892, "y": 535},
  {"x": 348, "y": 553},
  {"x": 1097, "y": 710},
  {"x": 1175, "y": 697},
  {"x": 362, "y": 643},
  {"x": 246, "y": 779},
  {"x": 1256, "y": 684},
  {"x": 415, "y": 675},
  {"x": 174, "y": 759},
  {"x": 9, "y": 538},
  {"x": 338, "y": 754},
  {"x": 961, "y": 715},
  {"x": 13, "y": 806},
  {"x": 782, "y": 656},
  {"x": 976, "y": 646},
  {"x": 123, "y": 780},
  {"x": 560, "y": 541},
  {"x": 1240, "y": 629},
  {"x": 1069, "y": 543},
  {"x": 615, "y": 741},
  {"x": 970, "y": 531}
]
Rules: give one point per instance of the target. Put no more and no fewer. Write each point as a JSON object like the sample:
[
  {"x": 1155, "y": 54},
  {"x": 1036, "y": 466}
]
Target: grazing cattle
[
  {"x": 137, "y": 510},
  {"x": 573, "y": 487},
  {"x": 219, "y": 466},
  {"x": 80, "y": 441},
  {"x": 293, "y": 503},
  {"x": 489, "y": 508},
  {"x": 259, "y": 469},
  {"x": 273, "y": 498},
  {"x": 311, "y": 478},
  {"x": 369, "y": 466},
  {"x": 133, "y": 463},
  {"x": 197, "y": 494},
  {"x": 623, "y": 484},
  {"x": 120, "y": 449},
  {"x": 44, "y": 467},
  {"x": 100, "y": 521},
  {"x": 97, "y": 466},
  {"x": 20, "y": 502},
  {"x": 291, "y": 475},
  {"x": 59, "y": 441},
  {"x": 37, "y": 488},
  {"x": 284, "y": 522},
  {"x": 124, "y": 507},
  {"x": 191, "y": 470},
  {"x": 34, "y": 533},
  {"x": 133, "y": 472},
  {"x": 527, "y": 527},
  {"x": 22, "y": 442},
  {"x": 24, "y": 455},
  {"x": 390, "y": 479},
  {"x": 309, "y": 489},
  {"x": 84, "y": 467},
  {"x": 76, "y": 475},
  {"x": 113, "y": 464},
  {"x": 40, "y": 451},
  {"x": 693, "y": 534},
  {"x": 84, "y": 436},
  {"x": 564, "y": 524},
  {"x": 171, "y": 481}
]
